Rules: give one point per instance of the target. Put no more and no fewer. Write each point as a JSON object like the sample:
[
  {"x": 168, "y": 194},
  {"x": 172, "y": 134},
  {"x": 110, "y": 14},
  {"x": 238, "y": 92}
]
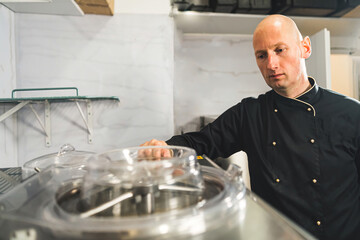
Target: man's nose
[{"x": 273, "y": 61}]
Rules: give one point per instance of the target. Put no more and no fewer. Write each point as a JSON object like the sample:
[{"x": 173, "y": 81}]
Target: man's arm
[{"x": 220, "y": 138}]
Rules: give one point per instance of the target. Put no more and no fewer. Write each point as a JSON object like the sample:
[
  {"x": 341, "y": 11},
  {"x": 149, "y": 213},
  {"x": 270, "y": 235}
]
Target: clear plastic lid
[
  {"x": 66, "y": 157},
  {"x": 124, "y": 195},
  {"x": 144, "y": 174}
]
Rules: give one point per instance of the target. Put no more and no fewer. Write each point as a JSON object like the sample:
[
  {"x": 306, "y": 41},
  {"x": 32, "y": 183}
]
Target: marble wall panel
[
  {"x": 131, "y": 56},
  {"x": 7, "y": 52},
  {"x": 127, "y": 55},
  {"x": 8, "y": 127},
  {"x": 212, "y": 73}
]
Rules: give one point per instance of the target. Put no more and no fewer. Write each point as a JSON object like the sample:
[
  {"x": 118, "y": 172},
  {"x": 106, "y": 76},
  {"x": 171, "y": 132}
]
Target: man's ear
[{"x": 305, "y": 47}]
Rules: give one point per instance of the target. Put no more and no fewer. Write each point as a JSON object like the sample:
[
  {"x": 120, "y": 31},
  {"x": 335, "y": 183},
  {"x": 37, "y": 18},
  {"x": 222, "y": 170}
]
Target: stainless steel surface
[
  {"x": 129, "y": 203},
  {"x": 50, "y": 205},
  {"x": 106, "y": 205}
]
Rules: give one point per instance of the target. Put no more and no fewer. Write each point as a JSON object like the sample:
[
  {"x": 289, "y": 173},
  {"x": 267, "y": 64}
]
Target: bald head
[
  {"x": 280, "y": 53},
  {"x": 278, "y": 23}
]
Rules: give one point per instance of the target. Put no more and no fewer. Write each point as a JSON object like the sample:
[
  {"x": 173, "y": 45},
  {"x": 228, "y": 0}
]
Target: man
[{"x": 302, "y": 141}]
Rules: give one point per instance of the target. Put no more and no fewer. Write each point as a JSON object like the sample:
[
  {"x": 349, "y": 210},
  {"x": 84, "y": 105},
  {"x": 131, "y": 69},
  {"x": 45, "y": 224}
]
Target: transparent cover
[
  {"x": 128, "y": 194},
  {"x": 67, "y": 156},
  {"x": 143, "y": 179}
]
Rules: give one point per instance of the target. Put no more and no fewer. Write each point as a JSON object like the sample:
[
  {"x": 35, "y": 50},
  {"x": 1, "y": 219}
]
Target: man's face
[{"x": 278, "y": 56}]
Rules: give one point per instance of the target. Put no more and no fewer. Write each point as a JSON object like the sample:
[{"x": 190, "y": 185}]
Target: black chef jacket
[{"x": 303, "y": 155}]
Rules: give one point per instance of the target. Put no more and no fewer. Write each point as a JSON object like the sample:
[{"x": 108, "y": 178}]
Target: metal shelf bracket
[
  {"x": 87, "y": 120},
  {"x": 46, "y": 126},
  {"x": 13, "y": 110}
]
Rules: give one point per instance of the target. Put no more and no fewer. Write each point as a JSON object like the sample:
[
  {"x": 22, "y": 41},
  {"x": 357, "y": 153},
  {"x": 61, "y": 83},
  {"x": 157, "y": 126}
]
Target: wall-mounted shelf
[
  {"x": 344, "y": 32},
  {"x": 46, "y": 124},
  {"x": 231, "y": 23}
]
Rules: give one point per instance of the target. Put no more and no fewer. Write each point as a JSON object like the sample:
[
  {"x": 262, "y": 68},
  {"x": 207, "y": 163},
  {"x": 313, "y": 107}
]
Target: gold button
[
  {"x": 275, "y": 110},
  {"x": 274, "y": 143},
  {"x": 309, "y": 109},
  {"x": 314, "y": 180},
  {"x": 318, "y": 223},
  {"x": 312, "y": 140},
  {"x": 277, "y": 180}
]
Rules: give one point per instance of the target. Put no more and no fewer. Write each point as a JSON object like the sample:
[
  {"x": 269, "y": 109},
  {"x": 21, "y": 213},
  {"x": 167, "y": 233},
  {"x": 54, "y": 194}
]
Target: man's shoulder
[
  {"x": 338, "y": 103},
  {"x": 262, "y": 98},
  {"x": 331, "y": 95}
]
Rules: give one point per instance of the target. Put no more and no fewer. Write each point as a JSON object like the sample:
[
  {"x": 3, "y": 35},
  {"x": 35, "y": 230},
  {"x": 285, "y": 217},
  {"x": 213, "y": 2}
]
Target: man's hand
[
  {"x": 158, "y": 153},
  {"x": 155, "y": 153}
]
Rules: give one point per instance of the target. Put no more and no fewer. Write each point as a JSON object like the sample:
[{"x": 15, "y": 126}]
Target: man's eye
[
  {"x": 280, "y": 50},
  {"x": 261, "y": 56}
]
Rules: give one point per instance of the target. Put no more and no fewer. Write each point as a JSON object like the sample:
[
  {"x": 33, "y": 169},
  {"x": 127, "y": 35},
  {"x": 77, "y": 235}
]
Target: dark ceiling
[{"x": 318, "y": 8}]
